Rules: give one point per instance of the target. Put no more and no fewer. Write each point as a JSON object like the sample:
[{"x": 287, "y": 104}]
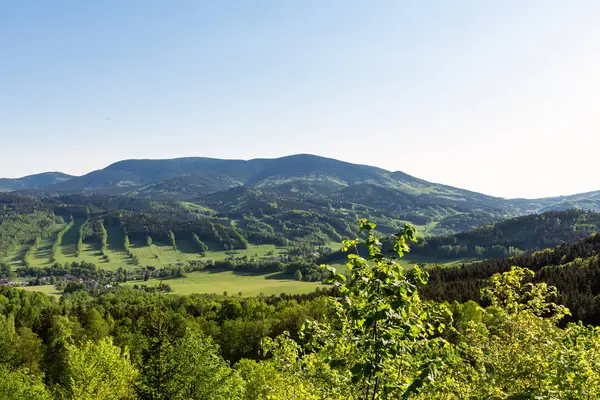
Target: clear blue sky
[{"x": 501, "y": 97}]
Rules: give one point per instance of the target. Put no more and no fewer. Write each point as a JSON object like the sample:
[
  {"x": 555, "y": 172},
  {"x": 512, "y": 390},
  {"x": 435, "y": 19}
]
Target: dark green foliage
[
  {"x": 17, "y": 228},
  {"x": 573, "y": 268},
  {"x": 511, "y": 237},
  {"x": 80, "y": 237},
  {"x": 74, "y": 287},
  {"x": 298, "y": 275}
]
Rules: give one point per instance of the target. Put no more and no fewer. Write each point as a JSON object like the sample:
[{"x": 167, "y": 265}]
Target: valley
[{"x": 240, "y": 252}]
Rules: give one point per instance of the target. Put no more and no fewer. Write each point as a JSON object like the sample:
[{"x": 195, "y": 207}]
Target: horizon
[
  {"x": 289, "y": 155},
  {"x": 493, "y": 98}
]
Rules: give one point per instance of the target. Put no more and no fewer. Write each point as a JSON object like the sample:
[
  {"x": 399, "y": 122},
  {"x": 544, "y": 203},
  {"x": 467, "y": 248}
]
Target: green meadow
[
  {"x": 233, "y": 283},
  {"x": 219, "y": 282}
]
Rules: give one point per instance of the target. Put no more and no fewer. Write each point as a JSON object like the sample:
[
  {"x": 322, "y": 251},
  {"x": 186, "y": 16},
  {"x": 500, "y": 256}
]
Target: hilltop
[
  {"x": 301, "y": 182},
  {"x": 37, "y": 181}
]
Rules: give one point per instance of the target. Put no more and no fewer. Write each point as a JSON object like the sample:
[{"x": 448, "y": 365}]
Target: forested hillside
[
  {"x": 371, "y": 337},
  {"x": 22, "y": 220},
  {"x": 299, "y": 182},
  {"x": 513, "y": 236},
  {"x": 573, "y": 268}
]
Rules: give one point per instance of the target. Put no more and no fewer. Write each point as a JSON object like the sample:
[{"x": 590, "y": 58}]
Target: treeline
[
  {"x": 201, "y": 246},
  {"x": 276, "y": 219},
  {"x": 59, "y": 238},
  {"x": 220, "y": 235},
  {"x": 512, "y": 237},
  {"x": 573, "y": 268},
  {"x": 103, "y": 239},
  {"x": 30, "y": 251}
]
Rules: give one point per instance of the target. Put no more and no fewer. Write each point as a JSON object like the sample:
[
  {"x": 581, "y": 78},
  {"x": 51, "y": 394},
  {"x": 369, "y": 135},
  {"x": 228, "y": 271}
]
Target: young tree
[
  {"x": 148, "y": 241},
  {"x": 126, "y": 243},
  {"x": 99, "y": 370},
  {"x": 183, "y": 367},
  {"x": 298, "y": 275},
  {"x": 383, "y": 336}
]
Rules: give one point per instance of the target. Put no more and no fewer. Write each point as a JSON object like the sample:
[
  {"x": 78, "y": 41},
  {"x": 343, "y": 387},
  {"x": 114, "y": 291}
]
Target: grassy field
[
  {"x": 158, "y": 254},
  {"x": 219, "y": 282},
  {"x": 50, "y": 290},
  {"x": 233, "y": 283}
]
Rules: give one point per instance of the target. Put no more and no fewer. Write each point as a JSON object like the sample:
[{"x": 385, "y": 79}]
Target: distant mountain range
[
  {"x": 37, "y": 181},
  {"x": 301, "y": 177}
]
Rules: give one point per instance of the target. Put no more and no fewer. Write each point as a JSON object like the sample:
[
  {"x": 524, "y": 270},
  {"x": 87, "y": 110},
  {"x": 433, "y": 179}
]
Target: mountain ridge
[
  {"x": 398, "y": 175},
  {"x": 320, "y": 181},
  {"x": 34, "y": 181}
]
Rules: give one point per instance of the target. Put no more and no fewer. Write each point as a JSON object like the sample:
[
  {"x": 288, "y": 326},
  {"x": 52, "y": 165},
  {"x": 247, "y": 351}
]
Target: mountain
[
  {"x": 201, "y": 176},
  {"x": 36, "y": 181},
  {"x": 306, "y": 182},
  {"x": 585, "y": 201},
  {"x": 130, "y": 174}
]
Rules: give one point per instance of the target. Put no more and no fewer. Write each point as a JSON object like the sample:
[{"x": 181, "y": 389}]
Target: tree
[
  {"x": 172, "y": 240},
  {"x": 95, "y": 326},
  {"x": 383, "y": 336},
  {"x": 148, "y": 241},
  {"x": 178, "y": 367},
  {"x": 284, "y": 375},
  {"x": 514, "y": 349},
  {"x": 298, "y": 275},
  {"x": 103, "y": 239},
  {"x": 58, "y": 338},
  {"x": 8, "y": 338},
  {"x": 21, "y": 384},
  {"x": 99, "y": 370},
  {"x": 202, "y": 247}
]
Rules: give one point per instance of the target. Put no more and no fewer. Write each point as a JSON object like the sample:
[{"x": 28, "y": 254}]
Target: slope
[
  {"x": 510, "y": 237},
  {"x": 36, "y": 181}
]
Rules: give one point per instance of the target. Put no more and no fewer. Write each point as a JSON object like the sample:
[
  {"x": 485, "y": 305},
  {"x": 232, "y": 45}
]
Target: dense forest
[
  {"x": 573, "y": 268},
  {"x": 506, "y": 327},
  {"x": 513, "y": 236},
  {"x": 373, "y": 337}
]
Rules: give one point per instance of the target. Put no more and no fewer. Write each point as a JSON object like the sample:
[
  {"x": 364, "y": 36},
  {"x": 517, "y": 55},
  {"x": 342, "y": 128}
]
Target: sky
[{"x": 499, "y": 97}]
